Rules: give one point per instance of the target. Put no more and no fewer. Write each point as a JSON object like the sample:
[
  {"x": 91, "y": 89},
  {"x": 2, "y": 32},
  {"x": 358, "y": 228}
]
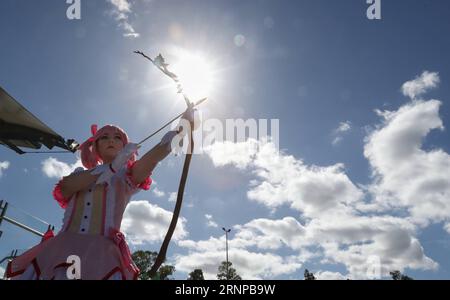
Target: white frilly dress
[{"x": 91, "y": 231}]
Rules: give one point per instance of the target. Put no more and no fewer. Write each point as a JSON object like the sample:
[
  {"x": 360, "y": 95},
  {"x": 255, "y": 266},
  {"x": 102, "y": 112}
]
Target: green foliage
[
  {"x": 308, "y": 275},
  {"x": 232, "y": 274},
  {"x": 144, "y": 260},
  {"x": 397, "y": 275},
  {"x": 197, "y": 274}
]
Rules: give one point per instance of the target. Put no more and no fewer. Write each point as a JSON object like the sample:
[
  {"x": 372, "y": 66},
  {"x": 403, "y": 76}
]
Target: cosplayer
[{"x": 94, "y": 200}]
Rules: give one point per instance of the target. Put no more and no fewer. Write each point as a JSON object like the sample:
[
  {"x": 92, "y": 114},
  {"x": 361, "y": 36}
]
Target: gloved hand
[
  {"x": 168, "y": 137},
  {"x": 108, "y": 170},
  {"x": 189, "y": 118},
  {"x": 189, "y": 114}
]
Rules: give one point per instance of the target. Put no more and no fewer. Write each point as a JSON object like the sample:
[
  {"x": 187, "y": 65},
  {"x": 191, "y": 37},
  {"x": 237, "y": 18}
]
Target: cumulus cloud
[
  {"x": 285, "y": 180},
  {"x": 210, "y": 222},
  {"x": 173, "y": 196},
  {"x": 420, "y": 84},
  {"x": 121, "y": 5},
  {"x": 406, "y": 175},
  {"x": 371, "y": 230},
  {"x": 271, "y": 234},
  {"x": 330, "y": 204},
  {"x": 447, "y": 227},
  {"x": 158, "y": 193},
  {"x": 327, "y": 275},
  {"x": 3, "y": 166},
  {"x": 239, "y": 155},
  {"x": 121, "y": 11},
  {"x": 146, "y": 223},
  {"x": 350, "y": 240},
  {"x": 311, "y": 190},
  {"x": 369, "y": 247},
  {"x": 209, "y": 254},
  {"x": 340, "y": 131},
  {"x": 54, "y": 168},
  {"x": 344, "y": 126},
  {"x": 368, "y": 244}
]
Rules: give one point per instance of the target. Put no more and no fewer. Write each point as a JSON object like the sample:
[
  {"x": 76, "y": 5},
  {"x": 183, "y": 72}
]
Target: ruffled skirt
[{"x": 101, "y": 258}]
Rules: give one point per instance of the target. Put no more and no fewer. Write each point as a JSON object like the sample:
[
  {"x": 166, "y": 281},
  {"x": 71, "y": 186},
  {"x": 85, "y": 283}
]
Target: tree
[
  {"x": 232, "y": 275},
  {"x": 197, "y": 274},
  {"x": 309, "y": 276},
  {"x": 397, "y": 275},
  {"x": 144, "y": 260}
]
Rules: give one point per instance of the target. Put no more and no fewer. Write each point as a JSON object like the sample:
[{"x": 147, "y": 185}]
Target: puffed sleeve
[
  {"x": 57, "y": 194},
  {"x": 134, "y": 187}
]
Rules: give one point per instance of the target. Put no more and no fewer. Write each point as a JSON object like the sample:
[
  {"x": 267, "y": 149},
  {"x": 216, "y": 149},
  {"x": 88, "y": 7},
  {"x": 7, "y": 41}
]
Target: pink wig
[{"x": 89, "y": 155}]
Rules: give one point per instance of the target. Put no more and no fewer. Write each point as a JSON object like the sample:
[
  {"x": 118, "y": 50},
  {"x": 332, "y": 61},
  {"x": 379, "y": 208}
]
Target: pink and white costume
[{"x": 91, "y": 230}]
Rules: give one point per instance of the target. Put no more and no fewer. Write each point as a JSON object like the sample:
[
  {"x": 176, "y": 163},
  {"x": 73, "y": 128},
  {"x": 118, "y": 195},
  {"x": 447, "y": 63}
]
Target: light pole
[{"x": 226, "y": 243}]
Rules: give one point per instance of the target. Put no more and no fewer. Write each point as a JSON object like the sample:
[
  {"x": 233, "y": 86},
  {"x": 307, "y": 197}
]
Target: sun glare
[{"x": 195, "y": 74}]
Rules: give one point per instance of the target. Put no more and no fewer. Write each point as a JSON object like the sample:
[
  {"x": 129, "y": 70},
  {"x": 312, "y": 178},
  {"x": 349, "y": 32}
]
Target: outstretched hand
[{"x": 189, "y": 114}]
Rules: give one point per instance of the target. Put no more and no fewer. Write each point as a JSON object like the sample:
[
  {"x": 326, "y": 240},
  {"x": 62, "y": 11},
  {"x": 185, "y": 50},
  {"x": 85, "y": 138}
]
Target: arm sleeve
[
  {"x": 57, "y": 194},
  {"x": 132, "y": 186}
]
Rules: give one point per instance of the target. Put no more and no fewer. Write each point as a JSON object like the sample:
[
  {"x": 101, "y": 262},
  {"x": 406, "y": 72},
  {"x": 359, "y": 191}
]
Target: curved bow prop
[
  {"x": 176, "y": 213},
  {"x": 160, "y": 63}
]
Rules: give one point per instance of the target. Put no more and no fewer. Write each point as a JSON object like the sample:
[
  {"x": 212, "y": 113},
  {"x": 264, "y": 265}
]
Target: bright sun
[{"x": 195, "y": 74}]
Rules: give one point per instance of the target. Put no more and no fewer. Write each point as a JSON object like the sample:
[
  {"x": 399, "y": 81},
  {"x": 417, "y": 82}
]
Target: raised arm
[
  {"x": 144, "y": 166},
  {"x": 141, "y": 170}
]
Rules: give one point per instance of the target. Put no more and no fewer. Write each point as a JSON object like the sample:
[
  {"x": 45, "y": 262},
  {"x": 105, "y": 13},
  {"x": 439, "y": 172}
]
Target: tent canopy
[{"x": 20, "y": 128}]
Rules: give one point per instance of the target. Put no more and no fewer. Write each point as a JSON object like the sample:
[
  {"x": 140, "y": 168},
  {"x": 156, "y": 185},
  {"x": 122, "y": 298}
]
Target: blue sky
[{"x": 330, "y": 201}]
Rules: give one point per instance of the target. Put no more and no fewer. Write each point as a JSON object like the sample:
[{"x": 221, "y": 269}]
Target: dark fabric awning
[{"x": 20, "y": 128}]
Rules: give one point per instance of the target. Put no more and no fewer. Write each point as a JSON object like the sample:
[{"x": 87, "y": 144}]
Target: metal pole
[
  {"x": 3, "y": 210},
  {"x": 4, "y": 207},
  {"x": 23, "y": 226},
  {"x": 226, "y": 247}
]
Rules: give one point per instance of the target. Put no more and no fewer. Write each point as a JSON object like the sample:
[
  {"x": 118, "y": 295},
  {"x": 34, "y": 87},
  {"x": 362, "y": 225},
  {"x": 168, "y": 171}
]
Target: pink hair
[{"x": 90, "y": 158}]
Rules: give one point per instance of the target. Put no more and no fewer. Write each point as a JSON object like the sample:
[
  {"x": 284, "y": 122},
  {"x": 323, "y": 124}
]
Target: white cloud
[
  {"x": 3, "y": 166},
  {"x": 173, "y": 197},
  {"x": 349, "y": 240},
  {"x": 121, "y": 12},
  {"x": 54, "y": 168},
  {"x": 337, "y": 140},
  {"x": 340, "y": 131},
  {"x": 271, "y": 234},
  {"x": 355, "y": 240},
  {"x": 405, "y": 175},
  {"x": 145, "y": 223},
  {"x": 344, "y": 126},
  {"x": 330, "y": 205},
  {"x": 158, "y": 193},
  {"x": 238, "y": 154},
  {"x": 282, "y": 179},
  {"x": 210, "y": 222},
  {"x": 327, "y": 200},
  {"x": 212, "y": 244},
  {"x": 208, "y": 255},
  {"x": 447, "y": 227},
  {"x": 420, "y": 84},
  {"x": 327, "y": 275},
  {"x": 312, "y": 190},
  {"x": 121, "y": 5}
]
